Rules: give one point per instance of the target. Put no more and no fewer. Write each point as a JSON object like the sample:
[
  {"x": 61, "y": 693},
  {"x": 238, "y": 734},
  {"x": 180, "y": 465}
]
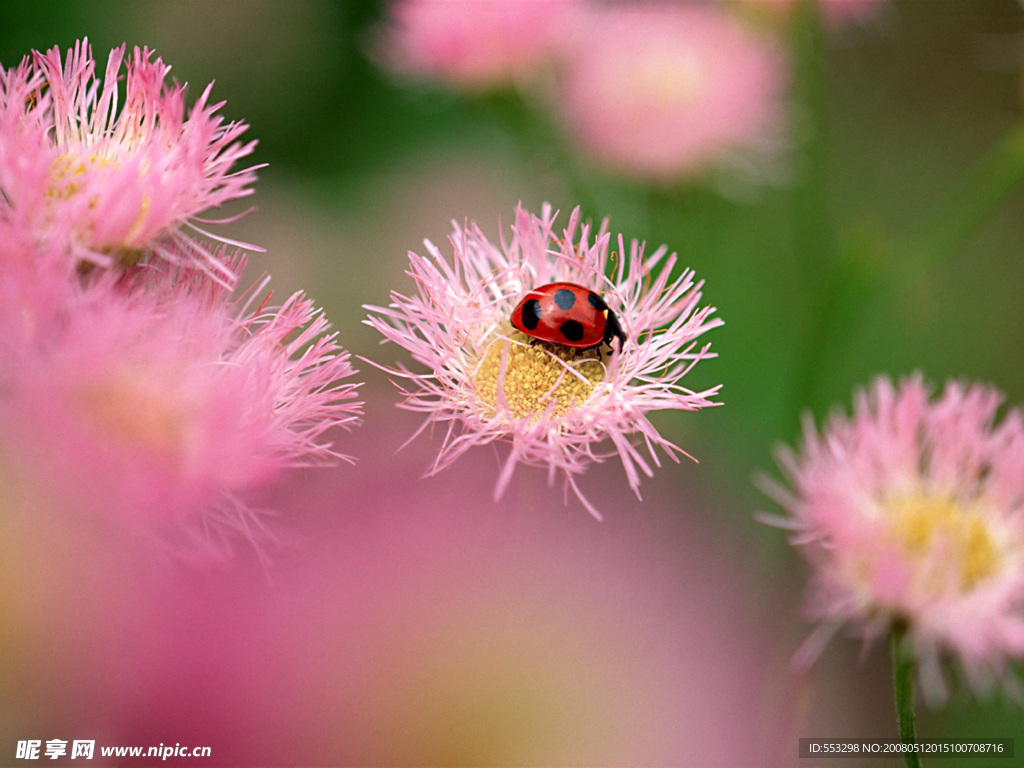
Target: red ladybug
[{"x": 567, "y": 314}]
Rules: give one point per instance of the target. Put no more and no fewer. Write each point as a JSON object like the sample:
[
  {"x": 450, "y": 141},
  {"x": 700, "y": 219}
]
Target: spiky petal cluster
[
  {"x": 160, "y": 402},
  {"x": 134, "y": 390},
  {"x": 912, "y": 511},
  {"x": 107, "y": 181},
  {"x": 555, "y": 410}
]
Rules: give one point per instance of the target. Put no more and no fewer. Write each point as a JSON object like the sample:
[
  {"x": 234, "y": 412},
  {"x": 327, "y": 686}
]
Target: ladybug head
[{"x": 612, "y": 330}]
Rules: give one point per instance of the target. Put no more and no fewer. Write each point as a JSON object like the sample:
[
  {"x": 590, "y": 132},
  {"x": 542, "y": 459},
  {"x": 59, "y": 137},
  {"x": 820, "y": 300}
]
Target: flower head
[
  {"x": 911, "y": 512},
  {"x": 161, "y": 402},
  {"x": 663, "y": 92},
  {"x": 112, "y": 182},
  {"x": 554, "y": 406},
  {"x": 474, "y": 44}
]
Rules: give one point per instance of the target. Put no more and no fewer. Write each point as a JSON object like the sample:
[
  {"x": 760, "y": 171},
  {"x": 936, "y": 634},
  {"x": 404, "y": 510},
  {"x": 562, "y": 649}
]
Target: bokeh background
[{"x": 387, "y": 619}]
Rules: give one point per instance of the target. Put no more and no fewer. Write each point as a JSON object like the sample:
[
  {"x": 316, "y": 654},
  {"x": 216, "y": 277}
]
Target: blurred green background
[{"x": 363, "y": 167}]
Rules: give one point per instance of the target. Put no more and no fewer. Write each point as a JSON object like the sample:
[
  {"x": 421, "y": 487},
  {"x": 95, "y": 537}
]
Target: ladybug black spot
[
  {"x": 564, "y": 298},
  {"x": 596, "y": 302},
  {"x": 531, "y": 314},
  {"x": 572, "y": 330}
]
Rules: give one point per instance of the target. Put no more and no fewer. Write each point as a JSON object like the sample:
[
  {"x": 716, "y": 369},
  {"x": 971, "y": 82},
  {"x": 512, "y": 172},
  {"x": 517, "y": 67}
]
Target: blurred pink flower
[
  {"x": 37, "y": 285},
  {"x": 417, "y": 622},
  {"x": 158, "y": 401},
  {"x": 666, "y": 91},
  {"x": 113, "y": 182},
  {"x": 911, "y": 511},
  {"x": 553, "y": 406},
  {"x": 474, "y": 44}
]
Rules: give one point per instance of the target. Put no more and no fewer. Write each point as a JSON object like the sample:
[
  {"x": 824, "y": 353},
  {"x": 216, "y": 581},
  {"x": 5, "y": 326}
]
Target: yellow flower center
[
  {"x": 66, "y": 174},
  {"x": 925, "y": 525},
  {"x": 671, "y": 80},
  {"x": 525, "y": 380},
  {"x": 138, "y": 409}
]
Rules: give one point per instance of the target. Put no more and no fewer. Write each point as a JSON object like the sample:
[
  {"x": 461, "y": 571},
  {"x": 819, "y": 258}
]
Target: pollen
[
  {"x": 67, "y": 171},
  {"x": 927, "y": 527},
  {"x": 68, "y": 174},
  {"x": 529, "y": 381},
  {"x": 64, "y": 176}
]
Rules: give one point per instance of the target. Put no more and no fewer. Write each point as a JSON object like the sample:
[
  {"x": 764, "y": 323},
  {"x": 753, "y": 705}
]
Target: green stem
[
  {"x": 814, "y": 238},
  {"x": 813, "y": 233},
  {"x": 903, "y": 689}
]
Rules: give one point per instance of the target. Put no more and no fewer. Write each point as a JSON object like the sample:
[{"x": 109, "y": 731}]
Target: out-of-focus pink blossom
[
  {"x": 911, "y": 511},
  {"x": 37, "y": 287},
  {"x": 420, "y": 622},
  {"x": 485, "y": 382},
  {"x": 474, "y": 44},
  {"x": 158, "y": 401},
  {"x": 110, "y": 181},
  {"x": 667, "y": 91}
]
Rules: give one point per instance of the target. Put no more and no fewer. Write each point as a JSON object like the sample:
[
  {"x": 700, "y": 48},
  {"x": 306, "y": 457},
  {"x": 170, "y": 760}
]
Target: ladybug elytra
[{"x": 567, "y": 314}]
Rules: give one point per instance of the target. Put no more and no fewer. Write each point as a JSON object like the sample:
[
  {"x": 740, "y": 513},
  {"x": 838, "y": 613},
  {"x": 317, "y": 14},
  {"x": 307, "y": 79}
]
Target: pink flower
[
  {"x": 158, "y": 402},
  {"x": 487, "y": 383},
  {"x": 912, "y": 511},
  {"x": 112, "y": 182},
  {"x": 666, "y": 91},
  {"x": 37, "y": 285},
  {"x": 474, "y": 44},
  {"x": 418, "y": 623}
]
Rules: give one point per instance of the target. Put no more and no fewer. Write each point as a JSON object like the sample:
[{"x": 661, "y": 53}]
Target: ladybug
[{"x": 567, "y": 314}]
